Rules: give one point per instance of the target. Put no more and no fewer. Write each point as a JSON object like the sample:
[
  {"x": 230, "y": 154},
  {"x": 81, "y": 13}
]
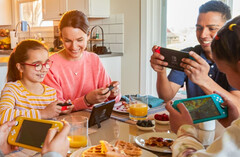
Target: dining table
[{"x": 112, "y": 130}]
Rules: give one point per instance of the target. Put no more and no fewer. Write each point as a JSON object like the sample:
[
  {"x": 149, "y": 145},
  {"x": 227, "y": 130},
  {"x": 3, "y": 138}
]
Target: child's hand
[
  {"x": 232, "y": 111},
  {"x": 178, "y": 118},
  {"x": 57, "y": 142},
  {"x": 52, "y": 110},
  {"x": 68, "y": 108},
  {"x": 4, "y": 131}
]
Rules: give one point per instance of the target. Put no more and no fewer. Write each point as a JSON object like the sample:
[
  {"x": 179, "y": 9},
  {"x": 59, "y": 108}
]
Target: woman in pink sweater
[{"x": 76, "y": 74}]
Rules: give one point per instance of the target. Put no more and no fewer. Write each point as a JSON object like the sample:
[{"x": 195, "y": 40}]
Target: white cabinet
[
  {"x": 3, "y": 74},
  {"x": 5, "y": 12},
  {"x": 54, "y": 9},
  {"x": 113, "y": 67}
]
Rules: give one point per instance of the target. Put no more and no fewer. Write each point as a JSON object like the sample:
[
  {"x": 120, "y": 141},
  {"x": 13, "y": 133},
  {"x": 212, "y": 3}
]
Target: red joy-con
[
  {"x": 64, "y": 108},
  {"x": 158, "y": 49}
]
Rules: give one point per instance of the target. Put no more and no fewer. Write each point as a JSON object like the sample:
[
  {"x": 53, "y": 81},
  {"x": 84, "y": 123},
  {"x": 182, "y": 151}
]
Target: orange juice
[
  {"x": 138, "y": 111},
  {"x": 77, "y": 141}
]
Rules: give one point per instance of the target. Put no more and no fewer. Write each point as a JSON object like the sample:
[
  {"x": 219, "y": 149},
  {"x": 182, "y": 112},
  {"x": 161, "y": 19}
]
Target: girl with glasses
[{"x": 24, "y": 94}]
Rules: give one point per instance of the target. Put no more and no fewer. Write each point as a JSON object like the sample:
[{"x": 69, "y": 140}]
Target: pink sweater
[{"x": 74, "y": 79}]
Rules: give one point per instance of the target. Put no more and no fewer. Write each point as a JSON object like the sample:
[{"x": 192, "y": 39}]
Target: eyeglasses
[{"x": 39, "y": 66}]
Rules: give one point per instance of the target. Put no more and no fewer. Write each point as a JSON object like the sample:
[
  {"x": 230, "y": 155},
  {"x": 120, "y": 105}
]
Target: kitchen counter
[{"x": 4, "y": 56}]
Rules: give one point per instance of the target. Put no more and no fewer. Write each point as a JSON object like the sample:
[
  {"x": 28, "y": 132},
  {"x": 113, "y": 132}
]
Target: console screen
[
  {"x": 33, "y": 133},
  {"x": 201, "y": 108}
]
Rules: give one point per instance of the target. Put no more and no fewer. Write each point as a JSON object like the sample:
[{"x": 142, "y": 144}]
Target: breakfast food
[
  {"x": 105, "y": 149},
  {"x": 161, "y": 117},
  {"x": 93, "y": 151},
  {"x": 159, "y": 142},
  {"x": 145, "y": 123},
  {"x": 129, "y": 149}
]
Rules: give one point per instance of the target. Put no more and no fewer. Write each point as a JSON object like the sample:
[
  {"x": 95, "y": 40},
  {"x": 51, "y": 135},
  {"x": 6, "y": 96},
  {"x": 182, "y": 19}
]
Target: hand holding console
[
  {"x": 204, "y": 108},
  {"x": 109, "y": 89},
  {"x": 173, "y": 57},
  {"x": 64, "y": 105},
  {"x": 30, "y": 133}
]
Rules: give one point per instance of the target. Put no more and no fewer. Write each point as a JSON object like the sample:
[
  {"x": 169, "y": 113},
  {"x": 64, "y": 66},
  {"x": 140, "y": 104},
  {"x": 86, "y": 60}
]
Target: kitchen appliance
[{"x": 98, "y": 49}]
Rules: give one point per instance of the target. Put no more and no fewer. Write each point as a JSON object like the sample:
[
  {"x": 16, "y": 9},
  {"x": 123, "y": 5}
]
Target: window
[{"x": 31, "y": 11}]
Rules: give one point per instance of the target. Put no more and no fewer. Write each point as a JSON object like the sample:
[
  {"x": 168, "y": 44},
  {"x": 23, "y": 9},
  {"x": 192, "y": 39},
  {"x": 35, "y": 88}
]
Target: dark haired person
[
  {"x": 201, "y": 75},
  {"x": 226, "y": 54},
  {"x": 76, "y": 74}
]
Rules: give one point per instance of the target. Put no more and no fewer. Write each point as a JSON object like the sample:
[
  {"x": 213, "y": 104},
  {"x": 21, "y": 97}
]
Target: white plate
[
  {"x": 140, "y": 140},
  {"x": 79, "y": 152},
  {"x": 119, "y": 107},
  {"x": 161, "y": 122}
]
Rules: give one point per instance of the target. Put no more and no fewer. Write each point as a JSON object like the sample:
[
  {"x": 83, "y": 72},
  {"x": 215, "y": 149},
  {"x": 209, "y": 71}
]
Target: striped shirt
[{"x": 17, "y": 100}]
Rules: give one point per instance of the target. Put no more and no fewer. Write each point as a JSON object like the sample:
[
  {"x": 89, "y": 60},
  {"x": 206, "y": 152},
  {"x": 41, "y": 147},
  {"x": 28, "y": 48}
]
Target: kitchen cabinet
[
  {"x": 3, "y": 74},
  {"x": 5, "y": 12},
  {"x": 54, "y": 9},
  {"x": 113, "y": 67}
]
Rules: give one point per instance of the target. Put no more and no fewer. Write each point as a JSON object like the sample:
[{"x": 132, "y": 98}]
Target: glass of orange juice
[
  {"x": 78, "y": 134},
  {"x": 138, "y": 107}
]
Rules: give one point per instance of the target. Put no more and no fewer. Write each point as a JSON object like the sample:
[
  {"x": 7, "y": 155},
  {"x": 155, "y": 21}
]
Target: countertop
[{"x": 4, "y": 56}]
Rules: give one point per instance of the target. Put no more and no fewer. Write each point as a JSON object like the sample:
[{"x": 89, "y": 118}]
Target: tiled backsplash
[{"x": 113, "y": 28}]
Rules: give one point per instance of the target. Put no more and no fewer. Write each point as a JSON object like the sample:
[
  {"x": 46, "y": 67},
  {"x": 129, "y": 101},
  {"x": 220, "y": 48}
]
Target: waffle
[
  {"x": 129, "y": 149},
  {"x": 103, "y": 150},
  {"x": 159, "y": 142},
  {"x": 95, "y": 151}
]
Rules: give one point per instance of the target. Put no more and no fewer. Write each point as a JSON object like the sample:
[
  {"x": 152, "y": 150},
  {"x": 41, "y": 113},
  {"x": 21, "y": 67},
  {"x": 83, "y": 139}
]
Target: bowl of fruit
[
  {"x": 145, "y": 125},
  {"x": 161, "y": 118}
]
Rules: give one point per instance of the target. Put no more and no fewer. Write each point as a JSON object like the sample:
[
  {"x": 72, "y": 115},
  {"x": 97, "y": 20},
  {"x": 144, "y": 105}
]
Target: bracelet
[{"x": 86, "y": 101}]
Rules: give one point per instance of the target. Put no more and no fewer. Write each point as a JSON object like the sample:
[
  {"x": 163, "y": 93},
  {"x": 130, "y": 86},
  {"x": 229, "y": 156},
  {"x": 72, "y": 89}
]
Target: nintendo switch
[
  {"x": 173, "y": 57},
  {"x": 109, "y": 89},
  {"x": 30, "y": 133},
  {"x": 64, "y": 105},
  {"x": 204, "y": 108},
  {"x": 101, "y": 112}
]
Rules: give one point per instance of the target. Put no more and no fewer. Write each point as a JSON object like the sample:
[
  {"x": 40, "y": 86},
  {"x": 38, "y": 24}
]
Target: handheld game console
[
  {"x": 30, "y": 133},
  {"x": 173, "y": 57},
  {"x": 204, "y": 108}
]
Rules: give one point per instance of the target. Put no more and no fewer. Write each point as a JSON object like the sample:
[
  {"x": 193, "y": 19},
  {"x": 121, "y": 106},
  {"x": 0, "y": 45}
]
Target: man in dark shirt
[{"x": 201, "y": 75}]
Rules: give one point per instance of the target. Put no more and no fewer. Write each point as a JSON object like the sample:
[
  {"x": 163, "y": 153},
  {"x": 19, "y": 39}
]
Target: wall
[
  {"x": 113, "y": 28},
  {"x": 131, "y": 58}
]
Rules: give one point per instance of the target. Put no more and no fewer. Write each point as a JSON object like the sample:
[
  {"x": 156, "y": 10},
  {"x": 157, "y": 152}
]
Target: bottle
[{"x": 97, "y": 34}]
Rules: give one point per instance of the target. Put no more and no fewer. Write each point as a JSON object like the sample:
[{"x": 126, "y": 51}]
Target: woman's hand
[
  {"x": 176, "y": 118},
  {"x": 4, "y": 131},
  {"x": 57, "y": 142},
  {"x": 197, "y": 69},
  {"x": 116, "y": 90},
  {"x": 97, "y": 96},
  {"x": 156, "y": 61},
  {"x": 232, "y": 111},
  {"x": 52, "y": 110}
]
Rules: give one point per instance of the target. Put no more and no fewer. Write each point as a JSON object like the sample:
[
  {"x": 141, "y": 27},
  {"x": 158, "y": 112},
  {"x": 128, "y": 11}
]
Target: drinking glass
[
  {"x": 78, "y": 134},
  {"x": 138, "y": 107}
]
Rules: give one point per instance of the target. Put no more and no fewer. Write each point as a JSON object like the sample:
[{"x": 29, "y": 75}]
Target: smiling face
[
  {"x": 29, "y": 73},
  {"x": 74, "y": 41},
  {"x": 207, "y": 26}
]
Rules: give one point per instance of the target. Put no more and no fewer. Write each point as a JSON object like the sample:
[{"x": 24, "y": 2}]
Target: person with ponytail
[
  {"x": 24, "y": 94},
  {"x": 76, "y": 74},
  {"x": 226, "y": 54}
]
